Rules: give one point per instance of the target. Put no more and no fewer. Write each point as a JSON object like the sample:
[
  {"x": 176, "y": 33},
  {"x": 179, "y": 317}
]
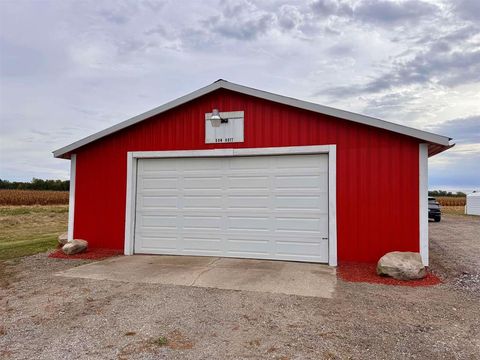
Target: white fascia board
[{"x": 342, "y": 114}]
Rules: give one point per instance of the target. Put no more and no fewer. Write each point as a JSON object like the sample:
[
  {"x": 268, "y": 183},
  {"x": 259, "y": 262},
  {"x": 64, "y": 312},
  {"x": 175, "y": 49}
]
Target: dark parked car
[{"x": 434, "y": 211}]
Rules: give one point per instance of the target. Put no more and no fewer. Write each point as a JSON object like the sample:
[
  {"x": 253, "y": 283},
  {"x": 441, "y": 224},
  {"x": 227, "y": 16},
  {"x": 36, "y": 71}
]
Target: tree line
[
  {"x": 36, "y": 184},
  {"x": 446, "y": 193}
]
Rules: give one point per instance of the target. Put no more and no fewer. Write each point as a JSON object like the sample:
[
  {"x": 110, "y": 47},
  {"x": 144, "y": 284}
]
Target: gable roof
[{"x": 441, "y": 142}]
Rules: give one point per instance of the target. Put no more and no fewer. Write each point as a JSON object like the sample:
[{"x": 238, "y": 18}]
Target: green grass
[
  {"x": 161, "y": 341},
  {"x": 27, "y": 230}
]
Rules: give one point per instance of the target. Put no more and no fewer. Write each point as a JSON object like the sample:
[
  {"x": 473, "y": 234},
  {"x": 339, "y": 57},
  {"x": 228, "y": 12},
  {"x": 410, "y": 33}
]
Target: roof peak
[{"x": 441, "y": 141}]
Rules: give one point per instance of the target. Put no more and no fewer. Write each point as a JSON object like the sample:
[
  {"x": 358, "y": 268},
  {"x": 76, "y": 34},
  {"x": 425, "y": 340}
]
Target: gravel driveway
[{"x": 49, "y": 317}]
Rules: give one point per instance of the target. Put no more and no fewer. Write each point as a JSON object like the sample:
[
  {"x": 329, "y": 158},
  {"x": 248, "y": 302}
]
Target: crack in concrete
[{"x": 210, "y": 266}]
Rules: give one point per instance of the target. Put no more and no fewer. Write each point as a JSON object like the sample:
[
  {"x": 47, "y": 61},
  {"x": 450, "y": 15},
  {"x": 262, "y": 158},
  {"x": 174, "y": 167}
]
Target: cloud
[
  {"x": 393, "y": 12},
  {"x": 115, "y": 17},
  {"x": 463, "y": 130},
  {"x": 17, "y": 60},
  {"x": 153, "y": 5},
  {"x": 340, "y": 50},
  {"x": 376, "y": 12},
  {"x": 157, "y": 29},
  {"x": 240, "y": 20},
  {"x": 448, "y": 61},
  {"x": 325, "y": 8},
  {"x": 458, "y": 167},
  {"x": 289, "y": 17},
  {"x": 433, "y": 65},
  {"x": 468, "y": 9}
]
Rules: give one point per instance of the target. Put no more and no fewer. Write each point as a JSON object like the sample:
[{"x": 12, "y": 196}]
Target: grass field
[
  {"x": 27, "y": 230},
  {"x": 33, "y": 197}
]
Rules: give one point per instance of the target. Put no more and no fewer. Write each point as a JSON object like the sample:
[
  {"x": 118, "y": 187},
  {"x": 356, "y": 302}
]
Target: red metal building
[{"x": 266, "y": 176}]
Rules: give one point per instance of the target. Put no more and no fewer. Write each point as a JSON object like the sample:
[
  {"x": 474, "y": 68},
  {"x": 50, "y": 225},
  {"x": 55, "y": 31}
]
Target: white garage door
[{"x": 267, "y": 207}]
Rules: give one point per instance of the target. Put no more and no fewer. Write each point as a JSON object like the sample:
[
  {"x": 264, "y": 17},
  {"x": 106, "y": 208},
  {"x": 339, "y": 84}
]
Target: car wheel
[{"x": 437, "y": 219}]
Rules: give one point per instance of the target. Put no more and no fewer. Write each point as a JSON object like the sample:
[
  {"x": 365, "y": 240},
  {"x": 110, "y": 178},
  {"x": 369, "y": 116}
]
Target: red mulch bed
[
  {"x": 90, "y": 254},
  {"x": 367, "y": 273}
]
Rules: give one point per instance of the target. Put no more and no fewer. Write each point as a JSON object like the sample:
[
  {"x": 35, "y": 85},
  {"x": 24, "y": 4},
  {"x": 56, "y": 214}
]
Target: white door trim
[
  {"x": 133, "y": 156},
  {"x": 332, "y": 205},
  {"x": 71, "y": 197},
  {"x": 423, "y": 201}
]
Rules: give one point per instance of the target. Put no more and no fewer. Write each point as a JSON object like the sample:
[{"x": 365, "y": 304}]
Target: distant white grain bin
[{"x": 473, "y": 204}]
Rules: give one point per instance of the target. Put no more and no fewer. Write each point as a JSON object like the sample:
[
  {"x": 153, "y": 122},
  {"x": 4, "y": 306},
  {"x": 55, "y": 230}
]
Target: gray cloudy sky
[{"x": 72, "y": 68}]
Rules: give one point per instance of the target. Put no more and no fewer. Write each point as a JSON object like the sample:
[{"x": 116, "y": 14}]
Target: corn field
[
  {"x": 40, "y": 197},
  {"x": 33, "y": 197},
  {"x": 451, "y": 200}
]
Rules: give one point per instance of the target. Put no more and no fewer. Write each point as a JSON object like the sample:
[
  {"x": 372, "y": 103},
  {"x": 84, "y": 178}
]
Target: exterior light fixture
[{"x": 216, "y": 119}]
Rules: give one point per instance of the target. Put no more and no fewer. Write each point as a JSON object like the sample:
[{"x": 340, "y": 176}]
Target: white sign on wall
[{"x": 228, "y": 130}]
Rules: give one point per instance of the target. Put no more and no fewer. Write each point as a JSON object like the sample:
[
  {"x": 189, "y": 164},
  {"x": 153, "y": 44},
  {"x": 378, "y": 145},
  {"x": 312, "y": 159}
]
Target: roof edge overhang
[
  {"x": 433, "y": 139},
  {"x": 434, "y": 149}
]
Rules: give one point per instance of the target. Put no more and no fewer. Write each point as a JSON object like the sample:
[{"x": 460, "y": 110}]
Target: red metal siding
[{"x": 377, "y": 170}]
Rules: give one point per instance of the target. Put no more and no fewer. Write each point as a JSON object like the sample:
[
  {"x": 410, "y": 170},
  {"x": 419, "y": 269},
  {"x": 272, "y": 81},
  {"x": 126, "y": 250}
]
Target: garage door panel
[
  {"x": 205, "y": 164},
  {"x": 245, "y": 213},
  {"x": 201, "y": 182},
  {"x": 160, "y": 222},
  {"x": 202, "y": 201},
  {"x": 242, "y": 246},
  {"x": 149, "y": 166},
  {"x": 159, "y": 243},
  {"x": 249, "y": 201},
  {"x": 248, "y": 162},
  {"x": 201, "y": 222},
  {"x": 159, "y": 201},
  {"x": 299, "y": 225},
  {"x": 248, "y": 223},
  {"x": 267, "y": 207},
  {"x": 299, "y": 181},
  {"x": 297, "y": 247},
  {"x": 302, "y": 161},
  {"x": 195, "y": 243},
  {"x": 298, "y": 202},
  {"x": 160, "y": 183},
  {"x": 248, "y": 182}
]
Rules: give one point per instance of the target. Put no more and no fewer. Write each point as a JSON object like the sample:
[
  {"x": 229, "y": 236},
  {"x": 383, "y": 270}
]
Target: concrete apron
[{"x": 294, "y": 278}]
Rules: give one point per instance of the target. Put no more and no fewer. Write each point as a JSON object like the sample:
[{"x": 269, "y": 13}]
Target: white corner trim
[
  {"x": 133, "y": 156},
  {"x": 130, "y": 203},
  {"x": 332, "y": 206},
  {"x": 71, "y": 195},
  {"x": 423, "y": 201}
]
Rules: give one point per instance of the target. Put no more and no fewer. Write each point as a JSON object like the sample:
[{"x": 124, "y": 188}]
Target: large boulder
[
  {"x": 63, "y": 238},
  {"x": 401, "y": 265},
  {"x": 75, "y": 246}
]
